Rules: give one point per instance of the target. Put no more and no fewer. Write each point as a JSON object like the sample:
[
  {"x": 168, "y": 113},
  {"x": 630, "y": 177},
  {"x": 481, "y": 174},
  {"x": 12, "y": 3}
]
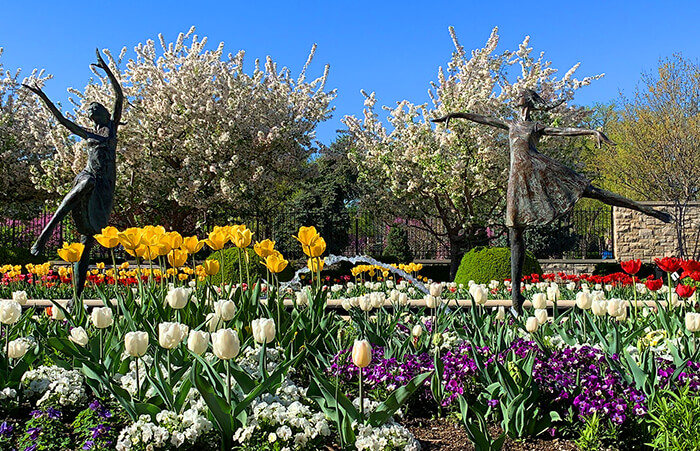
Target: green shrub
[
  {"x": 484, "y": 264},
  {"x": 256, "y": 268},
  {"x": 397, "y": 248},
  {"x": 18, "y": 256}
]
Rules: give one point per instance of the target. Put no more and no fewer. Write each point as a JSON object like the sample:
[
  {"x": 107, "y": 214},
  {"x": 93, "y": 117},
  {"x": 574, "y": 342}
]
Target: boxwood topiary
[
  {"x": 484, "y": 264},
  {"x": 256, "y": 268}
]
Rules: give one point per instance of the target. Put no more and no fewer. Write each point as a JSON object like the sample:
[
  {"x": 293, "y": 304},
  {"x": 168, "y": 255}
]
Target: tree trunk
[{"x": 455, "y": 256}]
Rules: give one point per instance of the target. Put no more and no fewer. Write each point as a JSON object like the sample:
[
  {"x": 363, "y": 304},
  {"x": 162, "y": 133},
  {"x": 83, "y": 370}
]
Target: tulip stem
[
  {"x": 101, "y": 347},
  {"x": 634, "y": 295},
  {"x": 7, "y": 349},
  {"x": 138, "y": 384},
  {"x": 362, "y": 400},
  {"x": 228, "y": 382},
  {"x": 240, "y": 269},
  {"x": 670, "y": 293},
  {"x": 170, "y": 370}
]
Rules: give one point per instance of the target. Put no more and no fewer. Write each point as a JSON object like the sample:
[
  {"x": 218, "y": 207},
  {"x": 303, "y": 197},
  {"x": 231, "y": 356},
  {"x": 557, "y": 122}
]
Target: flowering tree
[
  {"x": 201, "y": 135},
  {"x": 22, "y": 145},
  {"x": 658, "y": 135},
  {"x": 459, "y": 175}
]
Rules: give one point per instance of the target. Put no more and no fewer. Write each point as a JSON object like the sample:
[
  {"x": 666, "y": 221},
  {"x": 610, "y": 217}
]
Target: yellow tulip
[
  {"x": 71, "y": 253},
  {"x": 130, "y": 238},
  {"x": 316, "y": 247},
  {"x": 211, "y": 267},
  {"x": 306, "y": 234},
  {"x": 108, "y": 238},
  {"x": 174, "y": 239},
  {"x": 264, "y": 248},
  {"x": 241, "y": 236},
  {"x": 217, "y": 240},
  {"x": 139, "y": 251},
  {"x": 177, "y": 258},
  {"x": 192, "y": 245},
  {"x": 315, "y": 264},
  {"x": 152, "y": 234},
  {"x": 275, "y": 263}
]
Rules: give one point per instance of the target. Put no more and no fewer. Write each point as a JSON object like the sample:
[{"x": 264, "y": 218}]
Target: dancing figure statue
[
  {"x": 91, "y": 198},
  {"x": 540, "y": 189}
]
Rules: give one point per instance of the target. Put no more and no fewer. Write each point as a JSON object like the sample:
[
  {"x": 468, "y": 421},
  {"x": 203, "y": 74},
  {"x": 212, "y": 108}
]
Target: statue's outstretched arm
[
  {"x": 119, "y": 95},
  {"x": 493, "y": 122},
  {"x": 73, "y": 127},
  {"x": 572, "y": 131}
]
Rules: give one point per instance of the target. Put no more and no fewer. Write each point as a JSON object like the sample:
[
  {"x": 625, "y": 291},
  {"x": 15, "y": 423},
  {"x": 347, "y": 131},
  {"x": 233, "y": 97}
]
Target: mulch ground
[{"x": 444, "y": 434}]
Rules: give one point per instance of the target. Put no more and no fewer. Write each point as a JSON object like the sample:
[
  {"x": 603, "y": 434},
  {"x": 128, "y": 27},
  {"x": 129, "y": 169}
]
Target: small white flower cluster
[
  {"x": 128, "y": 380},
  {"x": 142, "y": 435},
  {"x": 390, "y": 436},
  {"x": 249, "y": 359},
  {"x": 287, "y": 416},
  {"x": 8, "y": 393},
  {"x": 172, "y": 428},
  {"x": 55, "y": 386}
]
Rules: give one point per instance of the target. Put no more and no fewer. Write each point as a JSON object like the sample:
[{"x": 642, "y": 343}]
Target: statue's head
[
  {"x": 98, "y": 113},
  {"x": 530, "y": 99}
]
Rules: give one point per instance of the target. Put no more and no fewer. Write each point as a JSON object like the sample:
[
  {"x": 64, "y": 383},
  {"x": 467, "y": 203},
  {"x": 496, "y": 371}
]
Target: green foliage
[
  {"x": 397, "y": 247},
  {"x": 676, "y": 417},
  {"x": 550, "y": 241},
  {"x": 18, "y": 256},
  {"x": 483, "y": 264},
  {"x": 228, "y": 259},
  {"x": 45, "y": 431},
  {"x": 99, "y": 426}
]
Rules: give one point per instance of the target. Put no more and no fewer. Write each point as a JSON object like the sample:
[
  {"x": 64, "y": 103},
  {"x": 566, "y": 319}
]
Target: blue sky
[{"x": 390, "y": 47}]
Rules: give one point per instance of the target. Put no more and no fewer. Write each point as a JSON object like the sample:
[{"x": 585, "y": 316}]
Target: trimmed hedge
[
  {"x": 230, "y": 266},
  {"x": 484, "y": 264},
  {"x": 19, "y": 256}
]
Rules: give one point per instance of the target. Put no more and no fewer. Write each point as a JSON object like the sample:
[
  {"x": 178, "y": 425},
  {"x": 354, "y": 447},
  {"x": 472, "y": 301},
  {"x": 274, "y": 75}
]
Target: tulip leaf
[
  {"x": 398, "y": 397},
  {"x": 220, "y": 410}
]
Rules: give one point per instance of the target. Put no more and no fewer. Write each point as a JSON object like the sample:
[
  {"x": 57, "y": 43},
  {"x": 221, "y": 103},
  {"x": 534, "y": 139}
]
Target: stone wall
[
  {"x": 640, "y": 236},
  {"x": 570, "y": 266}
]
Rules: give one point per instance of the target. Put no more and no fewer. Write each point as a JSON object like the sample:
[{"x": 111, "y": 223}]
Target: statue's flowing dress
[{"x": 540, "y": 189}]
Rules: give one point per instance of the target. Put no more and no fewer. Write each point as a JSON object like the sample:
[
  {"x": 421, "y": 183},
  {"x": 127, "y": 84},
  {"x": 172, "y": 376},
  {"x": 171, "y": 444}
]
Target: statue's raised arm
[
  {"x": 486, "y": 120},
  {"x": 118, "y": 94},
  {"x": 70, "y": 125}
]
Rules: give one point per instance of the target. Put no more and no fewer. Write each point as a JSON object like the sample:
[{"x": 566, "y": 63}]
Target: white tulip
[
  {"x": 571, "y": 286},
  {"x": 102, "y": 317},
  {"x": 136, "y": 343},
  {"x": 390, "y": 284},
  {"x": 377, "y": 299},
  {"x": 597, "y": 295},
  {"x": 170, "y": 335},
  {"x": 539, "y": 301},
  {"x": 79, "y": 336},
  {"x": 361, "y": 353},
  {"x": 692, "y": 321},
  {"x": 403, "y": 299},
  {"x": 263, "y": 330},
  {"x": 17, "y": 348},
  {"x": 615, "y": 307},
  {"x": 553, "y": 293},
  {"x": 198, "y": 341},
  {"x": 532, "y": 324},
  {"x": 479, "y": 294},
  {"x": 583, "y": 300},
  {"x": 10, "y": 312},
  {"x": 501, "y": 313},
  {"x": 57, "y": 314},
  {"x": 541, "y": 315},
  {"x": 213, "y": 322},
  {"x": 436, "y": 289},
  {"x": 225, "y": 344},
  {"x": 431, "y": 301},
  {"x": 347, "y": 305},
  {"x": 394, "y": 296},
  {"x": 225, "y": 309},
  {"x": 417, "y": 330},
  {"x": 365, "y": 303},
  {"x": 177, "y": 297},
  {"x": 20, "y": 297},
  {"x": 599, "y": 308},
  {"x": 302, "y": 298}
]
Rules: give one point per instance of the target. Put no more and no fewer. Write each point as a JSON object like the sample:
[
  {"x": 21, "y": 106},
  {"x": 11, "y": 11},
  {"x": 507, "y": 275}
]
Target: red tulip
[
  {"x": 684, "y": 291},
  {"x": 654, "y": 284},
  {"x": 668, "y": 264},
  {"x": 631, "y": 267},
  {"x": 690, "y": 265}
]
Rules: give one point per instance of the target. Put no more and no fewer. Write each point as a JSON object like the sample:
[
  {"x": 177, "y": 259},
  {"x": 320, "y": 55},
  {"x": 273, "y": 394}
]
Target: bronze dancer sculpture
[
  {"x": 540, "y": 189},
  {"x": 91, "y": 198}
]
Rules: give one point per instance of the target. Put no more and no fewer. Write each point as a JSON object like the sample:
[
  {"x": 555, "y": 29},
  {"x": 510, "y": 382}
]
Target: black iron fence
[{"x": 583, "y": 233}]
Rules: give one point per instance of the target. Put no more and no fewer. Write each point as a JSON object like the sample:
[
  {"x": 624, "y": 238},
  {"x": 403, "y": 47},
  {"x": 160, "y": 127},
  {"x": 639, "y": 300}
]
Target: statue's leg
[
  {"x": 88, "y": 241},
  {"x": 69, "y": 202},
  {"x": 517, "y": 259},
  {"x": 610, "y": 198}
]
